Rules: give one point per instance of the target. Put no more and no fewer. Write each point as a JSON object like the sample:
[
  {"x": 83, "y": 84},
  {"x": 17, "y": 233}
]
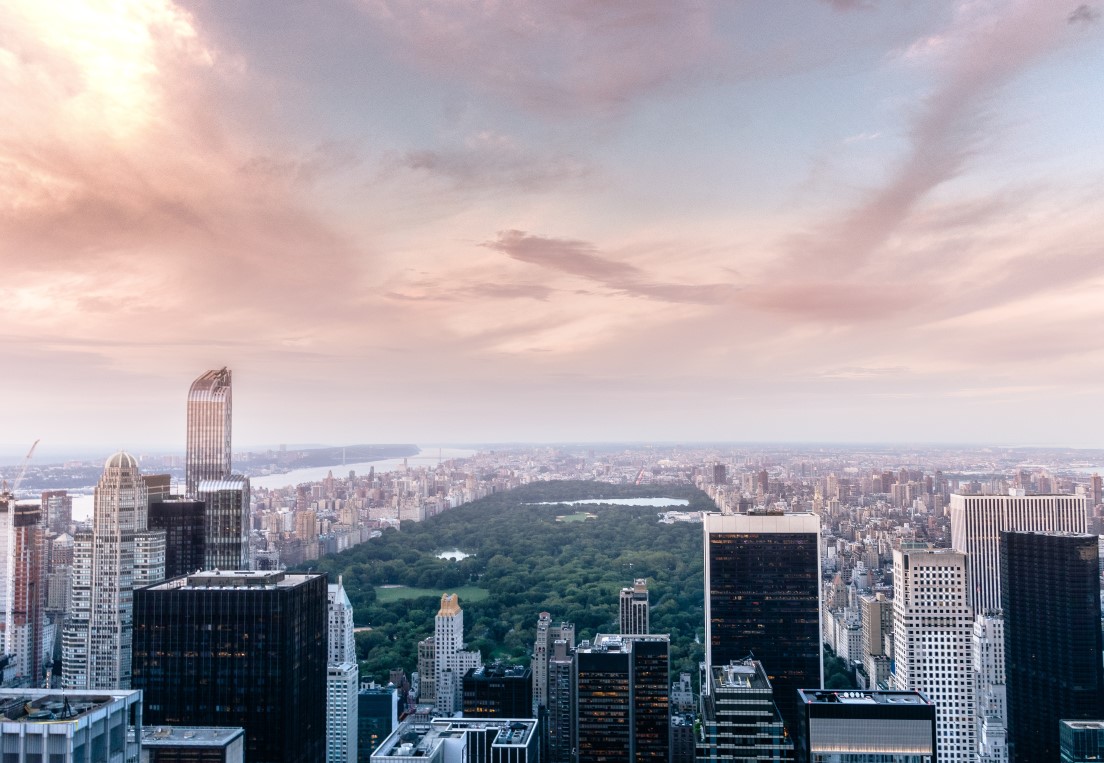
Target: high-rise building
[
  {"x": 762, "y": 597},
  {"x": 227, "y": 522},
  {"x": 209, "y": 416},
  {"x": 70, "y": 726},
  {"x": 22, "y": 593},
  {"x": 977, "y": 522},
  {"x": 1054, "y": 656},
  {"x": 110, "y": 558},
  {"x": 57, "y": 510},
  {"x": 185, "y": 524},
  {"x": 720, "y": 474},
  {"x": 541, "y": 653},
  {"x": 237, "y": 649},
  {"x": 498, "y": 691},
  {"x": 193, "y": 744},
  {"x": 622, "y": 710},
  {"x": 451, "y": 660},
  {"x": 560, "y": 714},
  {"x": 462, "y": 740},
  {"x": 377, "y": 717},
  {"x": 992, "y": 706},
  {"x": 1081, "y": 741},
  {"x": 932, "y": 629},
  {"x": 634, "y": 608},
  {"x": 865, "y": 726},
  {"x": 740, "y": 720},
  {"x": 342, "y": 678}
]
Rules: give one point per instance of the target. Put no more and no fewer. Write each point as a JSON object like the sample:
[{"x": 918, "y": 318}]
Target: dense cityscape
[{"x": 904, "y": 603}]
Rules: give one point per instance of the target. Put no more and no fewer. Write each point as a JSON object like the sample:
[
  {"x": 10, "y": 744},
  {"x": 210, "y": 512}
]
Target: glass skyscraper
[{"x": 208, "y": 445}]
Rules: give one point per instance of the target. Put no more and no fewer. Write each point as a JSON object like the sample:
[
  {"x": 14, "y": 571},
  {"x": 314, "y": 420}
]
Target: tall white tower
[
  {"x": 932, "y": 630},
  {"x": 452, "y": 661},
  {"x": 110, "y": 558},
  {"x": 342, "y": 679}
]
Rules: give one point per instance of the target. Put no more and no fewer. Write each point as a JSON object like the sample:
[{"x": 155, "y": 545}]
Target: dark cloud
[{"x": 1084, "y": 14}]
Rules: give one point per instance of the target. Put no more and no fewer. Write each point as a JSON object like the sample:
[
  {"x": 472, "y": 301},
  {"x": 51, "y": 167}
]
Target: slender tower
[
  {"x": 22, "y": 593},
  {"x": 208, "y": 452}
]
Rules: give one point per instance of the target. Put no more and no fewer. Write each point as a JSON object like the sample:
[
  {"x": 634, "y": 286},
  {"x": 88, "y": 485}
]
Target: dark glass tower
[
  {"x": 622, "y": 711},
  {"x": 498, "y": 691},
  {"x": 762, "y": 598},
  {"x": 185, "y": 534},
  {"x": 237, "y": 649},
  {"x": 1050, "y": 594}
]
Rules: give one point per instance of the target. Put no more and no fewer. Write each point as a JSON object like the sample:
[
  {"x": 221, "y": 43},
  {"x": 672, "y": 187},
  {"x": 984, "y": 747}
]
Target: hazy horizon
[{"x": 838, "y": 221}]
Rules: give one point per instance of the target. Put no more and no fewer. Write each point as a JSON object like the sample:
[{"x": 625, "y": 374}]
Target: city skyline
[{"x": 832, "y": 221}]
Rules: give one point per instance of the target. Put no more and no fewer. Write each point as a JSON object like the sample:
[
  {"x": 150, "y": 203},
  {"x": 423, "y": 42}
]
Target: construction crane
[{"x": 22, "y": 472}]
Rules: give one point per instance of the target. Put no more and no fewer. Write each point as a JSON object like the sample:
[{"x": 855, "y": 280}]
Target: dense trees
[{"x": 529, "y": 563}]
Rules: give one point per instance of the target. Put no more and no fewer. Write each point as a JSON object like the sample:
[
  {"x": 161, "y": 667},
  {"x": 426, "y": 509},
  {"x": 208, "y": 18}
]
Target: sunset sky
[{"x": 445, "y": 221}]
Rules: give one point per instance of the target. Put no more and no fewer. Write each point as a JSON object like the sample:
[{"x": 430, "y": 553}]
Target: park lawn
[
  {"x": 581, "y": 516},
  {"x": 467, "y": 593}
]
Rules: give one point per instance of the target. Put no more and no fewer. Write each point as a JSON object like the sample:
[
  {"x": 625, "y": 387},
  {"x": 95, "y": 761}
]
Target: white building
[
  {"x": 992, "y": 714},
  {"x": 978, "y": 520},
  {"x": 70, "y": 726},
  {"x": 342, "y": 679},
  {"x": 932, "y": 631},
  {"x": 450, "y": 658},
  {"x": 109, "y": 559}
]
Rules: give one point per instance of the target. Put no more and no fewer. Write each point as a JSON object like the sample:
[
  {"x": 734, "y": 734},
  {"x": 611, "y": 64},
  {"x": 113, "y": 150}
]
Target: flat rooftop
[
  {"x": 420, "y": 739},
  {"x": 209, "y": 579},
  {"x": 739, "y": 675},
  {"x": 858, "y": 697},
  {"x": 50, "y": 706},
  {"x": 190, "y": 736}
]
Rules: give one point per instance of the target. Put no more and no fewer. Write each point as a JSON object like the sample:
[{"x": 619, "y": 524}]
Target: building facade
[
  {"x": 498, "y": 691},
  {"x": 739, "y": 717},
  {"x": 207, "y": 455},
  {"x": 634, "y": 608},
  {"x": 762, "y": 597},
  {"x": 451, "y": 660},
  {"x": 992, "y": 705},
  {"x": 22, "y": 590},
  {"x": 932, "y": 631},
  {"x": 866, "y": 726},
  {"x": 226, "y": 514},
  {"x": 342, "y": 678},
  {"x": 60, "y": 726},
  {"x": 1054, "y": 658},
  {"x": 185, "y": 524},
  {"x": 238, "y": 649}
]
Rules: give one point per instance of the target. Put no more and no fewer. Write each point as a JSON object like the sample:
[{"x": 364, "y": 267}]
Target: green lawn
[
  {"x": 582, "y": 516},
  {"x": 467, "y": 593}
]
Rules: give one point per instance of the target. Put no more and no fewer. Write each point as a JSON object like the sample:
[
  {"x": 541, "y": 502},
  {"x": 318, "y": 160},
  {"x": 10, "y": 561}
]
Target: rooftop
[
  {"x": 190, "y": 736},
  {"x": 208, "y": 579},
  {"x": 52, "y": 705},
  {"x": 422, "y": 739},
  {"x": 745, "y": 674},
  {"x": 855, "y": 697}
]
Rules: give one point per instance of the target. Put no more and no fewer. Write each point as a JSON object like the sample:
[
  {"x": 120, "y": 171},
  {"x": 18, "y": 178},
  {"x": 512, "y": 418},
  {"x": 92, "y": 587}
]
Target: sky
[{"x": 658, "y": 220}]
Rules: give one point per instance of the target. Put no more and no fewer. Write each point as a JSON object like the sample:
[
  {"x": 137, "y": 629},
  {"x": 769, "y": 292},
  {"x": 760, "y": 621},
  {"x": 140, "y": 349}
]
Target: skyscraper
[
  {"x": 185, "y": 524},
  {"x": 237, "y": 649},
  {"x": 932, "y": 625},
  {"x": 977, "y": 522},
  {"x": 226, "y": 517},
  {"x": 762, "y": 597},
  {"x": 117, "y": 552},
  {"x": 561, "y": 702},
  {"x": 1050, "y": 592},
  {"x": 22, "y": 593},
  {"x": 342, "y": 678},
  {"x": 865, "y": 726},
  {"x": 622, "y": 707},
  {"x": 57, "y": 510},
  {"x": 208, "y": 445},
  {"x": 740, "y": 719},
  {"x": 450, "y": 659},
  {"x": 992, "y": 704},
  {"x": 634, "y": 608}
]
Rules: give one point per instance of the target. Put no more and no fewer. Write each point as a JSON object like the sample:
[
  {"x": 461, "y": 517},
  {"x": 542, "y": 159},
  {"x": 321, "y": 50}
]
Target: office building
[
  {"x": 341, "y": 641},
  {"x": 977, "y": 522},
  {"x": 377, "y": 717},
  {"x": 110, "y": 557},
  {"x": 720, "y": 474},
  {"x": 622, "y": 709},
  {"x": 634, "y": 608},
  {"x": 1054, "y": 658},
  {"x": 739, "y": 716},
  {"x": 226, "y": 535},
  {"x": 932, "y": 631},
  {"x": 451, "y": 660},
  {"x": 498, "y": 691},
  {"x": 559, "y": 718},
  {"x": 865, "y": 726},
  {"x": 185, "y": 524},
  {"x": 342, "y": 678},
  {"x": 56, "y": 726},
  {"x": 762, "y": 597},
  {"x": 238, "y": 649},
  {"x": 22, "y": 593},
  {"x": 1081, "y": 741},
  {"x": 208, "y": 440},
  {"x": 462, "y": 740},
  {"x": 192, "y": 744},
  {"x": 57, "y": 511},
  {"x": 992, "y": 706}
]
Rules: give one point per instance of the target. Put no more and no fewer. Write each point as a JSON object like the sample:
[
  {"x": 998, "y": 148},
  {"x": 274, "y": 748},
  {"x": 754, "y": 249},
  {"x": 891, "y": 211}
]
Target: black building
[
  {"x": 762, "y": 598},
  {"x": 237, "y": 649},
  {"x": 622, "y": 707},
  {"x": 498, "y": 691},
  {"x": 861, "y": 726},
  {"x": 377, "y": 717},
  {"x": 184, "y": 523},
  {"x": 1050, "y": 594}
]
